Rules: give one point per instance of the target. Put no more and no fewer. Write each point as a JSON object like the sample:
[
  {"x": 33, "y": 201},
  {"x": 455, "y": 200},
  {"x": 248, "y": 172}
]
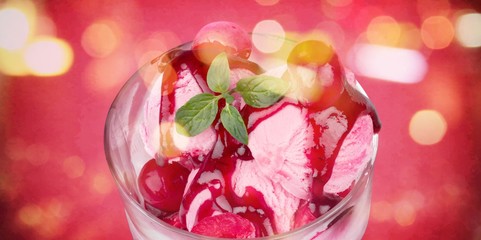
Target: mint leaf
[
  {"x": 233, "y": 123},
  {"x": 261, "y": 91},
  {"x": 228, "y": 98},
  {"x": 218, "y": 75},
  {"x": 197, "y": 114}
]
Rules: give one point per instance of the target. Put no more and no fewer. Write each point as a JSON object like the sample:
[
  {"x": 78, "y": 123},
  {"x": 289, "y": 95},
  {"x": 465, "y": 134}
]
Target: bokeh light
[
  {"x": 267, "y": 2},
  {"x": 48, "y": 56},
  {"x": 404, "y": 213},
  {"x": 381, "y": 211},
  {"x": 73, "y": 166},
  {"x": 389, "y": 63},
  {"x": 266, "y": 35},
  {"x": 101, "y": 38},
  {"x": 14, "y": 29},
  {"x": 437, "y": 32},
  {"x": 30, "y": 215},
  {"x": 99, "y": 76},
  {"x": 153, "y": 45},
  {"x": 12, "y": 63},
  {"x": 101, "y": 183},
  {"x": 427, "y": 127},
  {"x": 336, "y": 9},
  {"x": 339, "y": 3},
  {"x": 384, "y": 30},
  {"x": 468, "y": 30}
]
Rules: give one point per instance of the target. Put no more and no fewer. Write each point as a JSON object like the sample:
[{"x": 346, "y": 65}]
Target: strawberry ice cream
[{"x": 304, "y": 152}]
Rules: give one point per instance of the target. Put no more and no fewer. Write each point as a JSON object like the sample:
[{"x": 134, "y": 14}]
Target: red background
[{"x": 49, "y": 123}]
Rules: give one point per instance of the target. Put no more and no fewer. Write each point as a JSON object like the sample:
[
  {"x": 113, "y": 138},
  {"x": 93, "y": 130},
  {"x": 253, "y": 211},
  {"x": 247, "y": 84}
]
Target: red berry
[
  {"x": 226, "y": 225},
  {"x": 163, "y": 186},
  {"x": 316, "y": 73},
  {"x": 310, "y": 52},
  {"x": 221, "y": 36}
]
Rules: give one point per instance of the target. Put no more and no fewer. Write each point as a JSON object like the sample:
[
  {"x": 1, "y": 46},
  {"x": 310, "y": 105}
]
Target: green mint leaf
[
  {"x": 197, "y": 114},
  {"x": 233, "y": 123},
  {"x": 228, "y": 98},
  {"x": 218, "y": 75},
  {"x": 262, "y": 91}
]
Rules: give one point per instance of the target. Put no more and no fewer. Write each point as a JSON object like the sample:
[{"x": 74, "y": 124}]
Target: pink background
[{"x": 54, "y": 179}]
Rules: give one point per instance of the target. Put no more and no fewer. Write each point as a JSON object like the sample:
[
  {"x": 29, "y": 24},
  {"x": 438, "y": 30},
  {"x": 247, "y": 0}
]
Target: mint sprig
[
  {"x": 261, "y": 91},
  {"x": 233, "y": 123},
  {"x": 197, "y": 114},
  {"x": 218, "y": 75}
]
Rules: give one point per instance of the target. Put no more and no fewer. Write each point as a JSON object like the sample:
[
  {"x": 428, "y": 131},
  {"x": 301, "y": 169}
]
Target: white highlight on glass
[
  {"x": 267, "y": 36},
  {"x": 468, "y": 30},
  {"x": 389, "y": 63}
]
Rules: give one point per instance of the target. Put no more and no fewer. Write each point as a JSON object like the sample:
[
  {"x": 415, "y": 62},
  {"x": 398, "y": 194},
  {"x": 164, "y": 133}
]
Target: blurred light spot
[
  {"x": 415, "y": 197},
  {"x": 58, "y": 208},
  {"x": 37, "y": 154},
  {"x": 99, "y": 76},
  {"x": 427, "y": 127},
  {"x": 14, "y": 29},
  {"x": 74, "y": 166},
  {"x": 404, "y": 213},
  {"x": 15, "y": 148},
  {"x": 48, "y": 56},
  {"x": 388, "y": 63},
  {"x": 101, "y": 38},
  {"x": 30, "y": 215},
  {"x": 267, "y": 2},
  {"x": 101, "y": 183},
  {"x": 452, "y": 189},
  {"x": 410, "y": 36},
  {"x": 339, "y": 3},
  {"x": 154, "y": 45},
  {"x": 45, "y": 26},
  {"x": 331, "y": 33},
  {"x": 381, "y": 211},
  {"x": 12, "y": 63},
  {"x": 427, "y": 8},
  {"x": 335, "y": 11},
  {"x": 468, "y": 30},
  {"x": 437, "y": 32},
  {"x": 383, "y": 30},
  {"x": 268, "y": 36}
]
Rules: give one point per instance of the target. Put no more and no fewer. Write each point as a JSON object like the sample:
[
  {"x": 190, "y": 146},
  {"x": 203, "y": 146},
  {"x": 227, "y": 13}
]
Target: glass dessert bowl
[{"x": 293, "y": 161}]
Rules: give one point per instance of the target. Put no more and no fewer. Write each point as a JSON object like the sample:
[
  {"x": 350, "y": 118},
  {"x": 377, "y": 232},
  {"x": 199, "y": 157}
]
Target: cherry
[
  {"x": 315, "y": 73},
  {"x": 310, "y": 52},
  {"x": 163, "y": 186},
  {"x": 226, "y": 225},
  {"x": 221, "y": 36}
]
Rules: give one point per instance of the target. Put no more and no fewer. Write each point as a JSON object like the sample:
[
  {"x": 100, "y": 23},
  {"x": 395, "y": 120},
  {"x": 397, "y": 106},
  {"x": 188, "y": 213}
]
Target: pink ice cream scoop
[{"x": 304, "y": 152}]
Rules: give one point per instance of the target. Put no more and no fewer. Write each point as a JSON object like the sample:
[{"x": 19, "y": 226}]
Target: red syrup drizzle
[{"x": 351, "y": 103}]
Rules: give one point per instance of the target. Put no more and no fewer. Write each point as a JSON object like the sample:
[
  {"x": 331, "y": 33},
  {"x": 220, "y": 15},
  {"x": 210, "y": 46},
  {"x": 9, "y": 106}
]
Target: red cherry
[
  {"x": 226, "y": 225},
  {"x": 163, "y": 186},
  {"x": 316, "y": 73},
  {"x": 221, "y": 36}
]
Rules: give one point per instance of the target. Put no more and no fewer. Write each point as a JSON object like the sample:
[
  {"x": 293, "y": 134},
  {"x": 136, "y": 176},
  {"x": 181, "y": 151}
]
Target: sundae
[{"x": 240, "y": 151}]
